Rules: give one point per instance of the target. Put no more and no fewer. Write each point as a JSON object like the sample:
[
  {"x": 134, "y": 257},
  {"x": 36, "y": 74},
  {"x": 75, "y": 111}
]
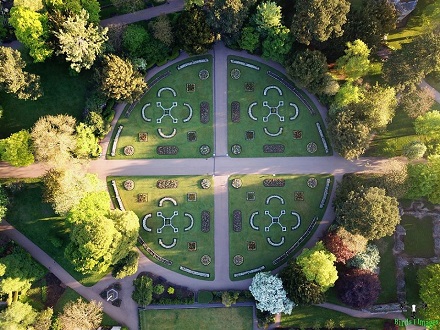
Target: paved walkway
[{"x": 432, "y": 89}]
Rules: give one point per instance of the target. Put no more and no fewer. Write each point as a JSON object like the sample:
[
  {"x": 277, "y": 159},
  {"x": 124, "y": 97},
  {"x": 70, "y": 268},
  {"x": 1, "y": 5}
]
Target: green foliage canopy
[
  {"x": 17, "y": 149},
  {"x": 429, "y": 280}
]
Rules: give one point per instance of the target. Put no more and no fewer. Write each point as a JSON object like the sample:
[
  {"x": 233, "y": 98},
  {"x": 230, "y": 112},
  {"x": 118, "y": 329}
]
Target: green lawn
[
  {"x": 418, "y": 239},
  {"x": 387, "y": 275},
  {"x": 37, "y": 221},
  {"x": 411, "y": 284},
  {"x": 63, "y": 94},
  {"x": 263, "y": 253},
  {"x": 274, "y": 123},
  {"x": 185, "y": 109},
  {"x": 427, "y": 12},
  {"x": 201, "y": 318},
  {"x": 71, "y": 295},
  {"x": 315, "y": 317},
  {"x": 179, "y": 253}
]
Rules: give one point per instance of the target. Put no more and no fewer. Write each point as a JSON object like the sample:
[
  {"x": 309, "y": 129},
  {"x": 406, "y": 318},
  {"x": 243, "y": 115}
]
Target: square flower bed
[
  {"x": 250, "y": 135},
  {"x": 191, "y": 136},
  {"x": 191, "y": 197},
  {"x": 297, "y": 134},
  {"x": 251, "y": 245},
  {"x": 250, "y": 196},
  {"x": 192, "y": 246},
  {"x": 249, "y": 86},
  {"x": 142, "y": 198},
  {"x": 299, "y": 195},
  {"x": 143, "y": 137},
  {"x": 190, "y": 88}
]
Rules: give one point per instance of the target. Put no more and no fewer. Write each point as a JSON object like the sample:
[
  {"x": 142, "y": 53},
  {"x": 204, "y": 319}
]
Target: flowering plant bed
[
  {"x": 235, "y": 73},
  {"x": 128, "y": 150},
  {"x": 203, "y": 74},
  {"x": 204, "y": 112},
  {"x": 205, "y": 150},
  {"x": 236, "y": 149},
  {"x": 191, "y": 197},
  {"x": 142, "y": 198},
  {"x": 190, "y": 88},
  {"x": 237, "y": 225},
  {"x": 143, "y": 137},
  {"x": 167, "y": 184},
  {"x": 274, "y": 182},
  {"x": 312, "y": 147},
  {"x": 312, "y": 182},
  {"x": 205, "y": 260},
  {"x": 299, "y": 195},
  {"x": 205, "y": 184},
  {"x": 297, "y": 134},
  {"x": 191, "y": 136},
  {"x": 238, "y": 260},
  {"x": 192, "y": 246},
  {"x": 129, "y": 184},
  {"x": 251, "y": 246},
  {"x": 206, "y": 221},
  {"x": 273, "y": 148},
  {"x": 249, "y": 86},
  {"x": 167, "y": 150},
  {"x": 250, "y": 135},
  {"x": 235, "y": 112},
  {"x": 250, "y": 196},
  {"x": 236, "y": 183}
]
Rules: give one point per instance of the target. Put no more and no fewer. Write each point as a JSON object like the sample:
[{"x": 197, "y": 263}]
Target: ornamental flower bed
[
  {"x": 235, "y": 73},
  {"x": 167, "y": 184},
  {"x": 250, "y": 196},
  {"x": 206, "y": 221},
  {"x": 205, "y": 260},
  {"x": 129, "y": 184},
  {"x": 312, "y": 182},
  {"x": 274, "y": 182},
  {"x": 236, "y": 149},
  {"x": 238, "y": 260},
  {"x": 237, "y": 221},
  {"x": 273, "y": 148},
  {"x": 251, "y": 246},
  {"x": 204, "y": 112},
  {"x": 143, "y": 137},
  {"x": 205, "y": 184},
  {"x": 191, "y": 136},
  {"x": 205, "y": 149},
  {"x": 249, "y": 87},
  {"x": 250, "y": 135},
  {"x": 190, "y": 88},
  {"x": 297, "y": 134},
  {"x": 312, "y": 147},
  {"x": 191, "y": 197},
  {"x": 128, "y": 150},
  {"x": 299, "y": 195},
  {"x": 203, "y": 74},
  {"x": 142, "y": 198},
  {"x": 192, "y": 246},
  {"x": 236, "y": 183},
  {"x": 235, "y": 111},
  {"x": 167, "y": 150}
]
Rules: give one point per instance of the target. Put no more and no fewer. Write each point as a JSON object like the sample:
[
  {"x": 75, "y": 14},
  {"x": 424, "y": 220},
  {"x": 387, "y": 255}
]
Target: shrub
[
  {"x": 126, "y": 266},
  {"x": 158, "y": 289},
  {"x": 358, "y": 288},
  {"x": 170, "y": 290},
  {"x": 369, "y": 259},
  {"x": 229, "y": 298},
  {"x": 143, "y": 290},
  {"x": 414, "y": 150},
  {"x": 204, "y": 297}
]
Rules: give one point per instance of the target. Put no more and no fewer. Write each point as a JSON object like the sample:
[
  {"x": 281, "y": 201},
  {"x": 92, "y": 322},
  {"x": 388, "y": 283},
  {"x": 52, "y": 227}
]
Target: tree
[
  {"x": 309, "y": 69},
  {"x": 350, "y": 136},
  {"x": 193, "y": 31},
  {"x": 143, "y": 290},
  {"x": 91, "y": 206},
  {"x": 31, "y": 29},
  {"x": 34, "y": 5},
  {"x": 277, "y": 44},
  {"x": 377, "y": 107},
  {"x": 343, "y": 244},
  {"x": 268, "y": 16},
  {"x": 65, "y": 8},
  {"x": 347, "y": 93},
  {"x": 65, "y": 188},
  {"x": 428, "y": 124},
  {"x": 54, "y": 139},
  {"x": 191, "y": 3},
  {"x": 417, "y": 102},
  {"x": 86, "y": 142},
  {"x": 355, "y": 63},
  {"x": 429, "y": 281},
  {"x": 13, "y": 80},
  {"x": 81, "y": 315},
  {"x": 81, "y": 42},
  {"x": 229, "y": 298},
  {"x": 268, "y": 291},
  {"x": 424, "y": 180},
  {"x": 16, "y": 149},
  {"x": 4, "y": 201},
  {"x": 358, "y": 288},
  {"x": 18, "y": 316},
  {"x": 298, "y": 288},
  {"x": 368, "y": 259},
  {"x": 369, "y": 212},
  {"x": 119, "y": 81},
  {"x": 162, "y": 30},
  {"x": 414, "y": 150},
  {"x": 128, "y": 6},
  {"x": 318, "y": 266},
  {"x": 126, "y": 266},
  {"x": 44, "y": 319},
  {"x": 250, "y": 39},
  {"x": 134, "y": 39},
  {"x": 319, "y": 19}
]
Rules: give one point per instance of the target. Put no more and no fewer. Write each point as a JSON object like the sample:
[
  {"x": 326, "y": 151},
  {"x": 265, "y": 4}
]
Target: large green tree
[
  {"x": 193, "y": 32},
  {"x": 86, "y": 142},
  {"x": 13, "y": 80},
  {"x": 34, "y": 5},
  {"x": 277, "y": 44},
  {"x": 80, "y": 41},
  {"x": 82, "y": 315},
  {"x": 268, "y": 16},
  {"x": 18, "y": 316},
  {"x": 428, "y": 125},
  {"x": 54, "y": 139},
  {"x": 369, "y": 212},
  {"x": 120, "y": 81},
  {"x": 163, "y": 30},
  {"x": 358, "y": 288},
  {"x": 143, "y": 290},
  {"x": 355, "y": 63},
  {"x": 417, "y": 102},
  {"x": 350, "y": 135},
  {"x": 429, "y": 281},
  {"x": 299, "y": 289},
  {"x": 424, "y": 180},
  {"x": 269, "y": 294},
  {"x": 343, "y": 244},
  {"x": 17, "y": 149},
  {"x": 318, "y": 265},
  {"x": 319, "y": 19},
  {"x": 32, "y": 30}
]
